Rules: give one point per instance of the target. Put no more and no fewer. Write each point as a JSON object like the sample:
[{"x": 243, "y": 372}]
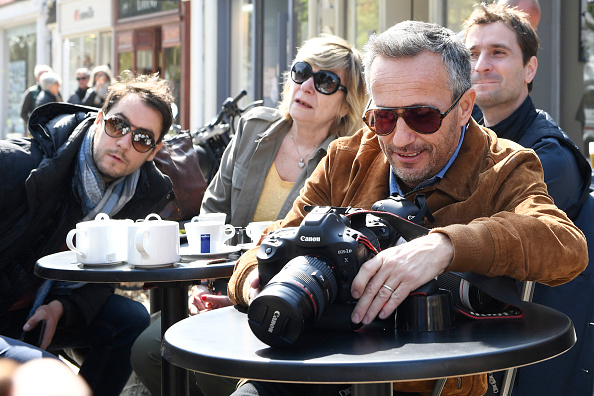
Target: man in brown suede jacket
[{"x": 492, "y": 213}]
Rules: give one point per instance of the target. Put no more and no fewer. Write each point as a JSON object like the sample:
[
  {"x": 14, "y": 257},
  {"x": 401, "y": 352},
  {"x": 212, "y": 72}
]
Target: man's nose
[
  {"x": 481, "y": 63},
  {"x": 125, "y": 141},
  {"x": 403, "y": 135}
]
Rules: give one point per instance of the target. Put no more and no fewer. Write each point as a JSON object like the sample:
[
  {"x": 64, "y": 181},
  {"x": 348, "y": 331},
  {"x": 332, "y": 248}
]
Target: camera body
[{"x": 306, "y": 272}]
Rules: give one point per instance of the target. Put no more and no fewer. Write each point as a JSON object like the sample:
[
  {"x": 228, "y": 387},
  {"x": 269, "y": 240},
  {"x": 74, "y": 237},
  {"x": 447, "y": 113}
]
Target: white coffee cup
[
  {"x": 255, "y": 228},
  {"x": 99, "y": 241},
  {"x": 216, "y": 217},
  {"x": 153, "y": 242},
  {"x": 208, "y": 236}
]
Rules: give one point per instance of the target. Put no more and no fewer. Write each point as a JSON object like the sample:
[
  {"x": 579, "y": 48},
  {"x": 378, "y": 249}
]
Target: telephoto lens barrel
[{"x": 292, "y": 301}]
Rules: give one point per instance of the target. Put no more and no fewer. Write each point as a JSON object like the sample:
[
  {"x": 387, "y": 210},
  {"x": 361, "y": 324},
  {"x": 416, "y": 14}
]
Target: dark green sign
[{"x": 132, "y": 8}]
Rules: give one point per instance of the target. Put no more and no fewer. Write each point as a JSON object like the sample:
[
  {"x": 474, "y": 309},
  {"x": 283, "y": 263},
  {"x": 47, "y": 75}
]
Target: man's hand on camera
[{"x": 401, "y": 269}]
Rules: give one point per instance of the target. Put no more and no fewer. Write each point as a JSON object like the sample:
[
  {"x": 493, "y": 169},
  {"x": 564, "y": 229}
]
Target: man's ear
[
  {"x": 157, "y": 148},
  {"x": 530, "y": 69},
  {"x": 466, "y": 105}
]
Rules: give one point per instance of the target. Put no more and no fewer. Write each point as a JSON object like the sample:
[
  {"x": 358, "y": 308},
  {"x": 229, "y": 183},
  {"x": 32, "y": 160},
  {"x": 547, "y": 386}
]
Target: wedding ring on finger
[{"x": 388, "y": 287}]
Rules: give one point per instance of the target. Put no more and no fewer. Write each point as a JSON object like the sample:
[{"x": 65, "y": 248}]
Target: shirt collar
[{"x": 395, "y": 186}]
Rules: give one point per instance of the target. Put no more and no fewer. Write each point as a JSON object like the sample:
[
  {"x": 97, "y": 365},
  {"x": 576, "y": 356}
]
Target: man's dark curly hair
[{"x": 151, "y": 89}]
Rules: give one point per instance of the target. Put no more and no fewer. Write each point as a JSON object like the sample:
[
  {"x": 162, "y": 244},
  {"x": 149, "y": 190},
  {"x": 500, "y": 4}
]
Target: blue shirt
[{"x": 395, "y": 187}]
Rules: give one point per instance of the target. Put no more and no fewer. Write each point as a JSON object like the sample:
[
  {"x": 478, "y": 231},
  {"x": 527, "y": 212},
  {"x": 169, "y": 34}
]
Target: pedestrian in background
[
  {"x": 30, "y": 95},
  {"x": 101, "y": 77},
  {"x": 82, "y": 77},
  {"x": 50, "y": 85}
]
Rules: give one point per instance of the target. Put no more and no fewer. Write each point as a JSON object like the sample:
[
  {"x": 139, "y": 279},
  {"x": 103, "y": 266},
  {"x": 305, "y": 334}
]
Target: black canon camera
[{"x": 307, "y": 271}]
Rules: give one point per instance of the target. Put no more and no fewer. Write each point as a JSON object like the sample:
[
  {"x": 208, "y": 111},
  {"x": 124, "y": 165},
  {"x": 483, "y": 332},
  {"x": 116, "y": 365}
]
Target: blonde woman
[
  {"x": 275, "y": 150},
  {"x": 265, "y": 166}
]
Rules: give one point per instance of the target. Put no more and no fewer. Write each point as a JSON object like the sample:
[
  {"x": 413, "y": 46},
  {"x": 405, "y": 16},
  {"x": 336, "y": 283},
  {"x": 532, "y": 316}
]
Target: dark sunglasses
[
  {"x": 142, "y": 140},
  {"x": 325, "y": 82},
  {"x": 421, "y": 119},
  {"x": 82, "y": 78}
]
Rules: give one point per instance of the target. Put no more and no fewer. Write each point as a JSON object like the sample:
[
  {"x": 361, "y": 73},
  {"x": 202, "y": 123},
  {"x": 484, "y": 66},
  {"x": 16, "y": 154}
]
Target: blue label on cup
[{"x": 204, "y": 243}]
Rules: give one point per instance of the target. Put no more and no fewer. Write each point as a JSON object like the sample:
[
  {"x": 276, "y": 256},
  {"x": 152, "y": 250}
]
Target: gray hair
[
  {"x": 410, "y": 38},
  {"x": 48, "y": 79}
]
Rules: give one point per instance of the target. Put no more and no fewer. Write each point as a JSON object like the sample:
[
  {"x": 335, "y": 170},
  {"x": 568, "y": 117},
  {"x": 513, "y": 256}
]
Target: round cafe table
[
  {"x": 369, "y": 358},
  {"x": 173, "y": 280}
]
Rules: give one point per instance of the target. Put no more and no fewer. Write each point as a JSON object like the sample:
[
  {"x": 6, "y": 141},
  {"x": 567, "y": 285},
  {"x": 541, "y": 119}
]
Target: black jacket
[
  {"x": 566, "y": 171},
  {"x": 78, "y": 96},
  {"x": 45, "y": 97},
  {"x": 38, "y": 206}
]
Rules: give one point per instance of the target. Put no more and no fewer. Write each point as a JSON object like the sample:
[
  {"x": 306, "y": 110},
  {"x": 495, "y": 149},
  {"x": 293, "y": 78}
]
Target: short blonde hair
[{"x": 333, "y": 53}]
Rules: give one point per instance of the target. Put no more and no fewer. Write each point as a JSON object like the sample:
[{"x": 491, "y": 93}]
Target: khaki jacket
[
  {"x": 492, "y": 203},
  {"x": 237, "y": 186}
]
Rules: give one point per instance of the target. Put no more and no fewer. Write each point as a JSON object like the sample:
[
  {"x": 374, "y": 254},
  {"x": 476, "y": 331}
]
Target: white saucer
[
  {"x": 100, "y": 264},
  {"x": 144, "y": 266},
  {"x": 247, "y": 246},
  {"x": 186, "y": 251}
]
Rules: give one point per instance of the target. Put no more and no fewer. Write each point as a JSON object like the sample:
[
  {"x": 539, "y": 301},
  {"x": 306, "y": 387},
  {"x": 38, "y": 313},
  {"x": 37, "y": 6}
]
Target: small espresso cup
[
  {"x": 208, "y": 236},
  {"x": 99, "y": 241},
  {"x": 153, "y": 242},
  {"x": 255, "y": 228}
]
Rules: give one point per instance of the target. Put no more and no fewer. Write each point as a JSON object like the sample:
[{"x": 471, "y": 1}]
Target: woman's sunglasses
[
  {"x": 142, "y": 140},
  {"x": 325, "y": 82},
  {"x": 421, "y": 119}
]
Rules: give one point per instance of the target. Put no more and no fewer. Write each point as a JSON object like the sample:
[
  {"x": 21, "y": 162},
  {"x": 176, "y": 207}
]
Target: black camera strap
[
  {"x": 421, "y": 202},
  {"x": 501, "y": 289}
]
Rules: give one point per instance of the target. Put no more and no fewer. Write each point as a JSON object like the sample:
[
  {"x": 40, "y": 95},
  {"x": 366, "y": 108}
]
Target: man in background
[
  {"x": 503, "y": 47},
  {"x": 82, "y": 77},
  {"x": 30, "y": 95}
]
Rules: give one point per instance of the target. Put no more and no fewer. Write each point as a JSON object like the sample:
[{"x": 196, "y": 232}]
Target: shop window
[
  {"x": 585, "y": 113},
  {"x": 21, "y": 62},
  {"x": 458, "y": 11},
  {"x": 144, "y": 62},
  {"x": 126, "y": 61},
  {"x": 172, "y": 71},
  {"x": 89, "y": 50},
  {"x": 362, "y": 21},
  {"x": 241, "y": 64}
]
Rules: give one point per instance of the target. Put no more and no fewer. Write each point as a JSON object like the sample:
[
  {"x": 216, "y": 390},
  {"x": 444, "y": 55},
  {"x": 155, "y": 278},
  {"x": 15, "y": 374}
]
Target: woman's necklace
[{"x": 301, "y": 163}]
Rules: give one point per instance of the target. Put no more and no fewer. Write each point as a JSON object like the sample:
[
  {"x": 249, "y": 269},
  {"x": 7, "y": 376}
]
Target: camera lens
[{"x": 292, "y": 300}]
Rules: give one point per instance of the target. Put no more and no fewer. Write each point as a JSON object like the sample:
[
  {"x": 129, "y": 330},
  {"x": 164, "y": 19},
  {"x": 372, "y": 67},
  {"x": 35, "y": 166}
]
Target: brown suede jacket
[{"x": 492, "y": 203}]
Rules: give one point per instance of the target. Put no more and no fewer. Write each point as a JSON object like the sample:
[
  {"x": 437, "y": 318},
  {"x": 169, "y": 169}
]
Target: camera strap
[
  {"x": 502, "y": 289},
  {"x": 421, "y": 203}
]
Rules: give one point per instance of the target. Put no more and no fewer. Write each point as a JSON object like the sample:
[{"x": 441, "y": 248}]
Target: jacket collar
[
  {"x": 516, "y": 123},
  {"x": 459, "y": 182}
]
